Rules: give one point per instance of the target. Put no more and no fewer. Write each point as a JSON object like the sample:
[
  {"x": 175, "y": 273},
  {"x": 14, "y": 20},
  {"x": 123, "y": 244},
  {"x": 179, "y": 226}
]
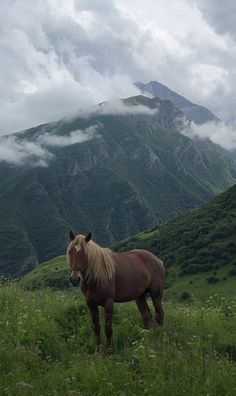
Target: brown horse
[{"x": 107, "y": 277}]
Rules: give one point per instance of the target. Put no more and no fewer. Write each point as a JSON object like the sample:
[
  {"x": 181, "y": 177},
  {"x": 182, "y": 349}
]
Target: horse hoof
[
  {"x": 98, "y": 348},
  {"x": 109, "y": 350}
]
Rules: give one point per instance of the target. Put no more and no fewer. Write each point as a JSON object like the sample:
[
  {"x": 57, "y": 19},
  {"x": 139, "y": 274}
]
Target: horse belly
[{"x": 130, "y": 285}]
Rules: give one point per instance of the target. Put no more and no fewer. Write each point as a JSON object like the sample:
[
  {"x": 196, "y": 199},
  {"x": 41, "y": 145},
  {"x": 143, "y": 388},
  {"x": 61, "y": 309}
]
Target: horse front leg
[
  {"x": 108, "y": 310},
  {"x": 95, "y": 322}
]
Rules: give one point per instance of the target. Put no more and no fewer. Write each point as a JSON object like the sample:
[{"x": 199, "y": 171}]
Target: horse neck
[{"x": 94, "y": 268}]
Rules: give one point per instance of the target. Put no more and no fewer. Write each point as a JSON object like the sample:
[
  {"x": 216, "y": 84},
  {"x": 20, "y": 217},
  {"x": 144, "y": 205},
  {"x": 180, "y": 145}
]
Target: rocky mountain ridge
[{"x": 192, "y": 111}]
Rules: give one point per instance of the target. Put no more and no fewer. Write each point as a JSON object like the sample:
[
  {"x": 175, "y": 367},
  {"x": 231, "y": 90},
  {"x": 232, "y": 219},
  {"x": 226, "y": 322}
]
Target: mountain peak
[{"x": 192, "y": 111}]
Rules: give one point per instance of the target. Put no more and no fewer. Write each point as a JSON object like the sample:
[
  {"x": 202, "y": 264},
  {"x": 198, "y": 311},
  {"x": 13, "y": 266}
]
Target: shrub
[
  {"x": 213, "y": 279},
  {"x": 185, "y": 295},
  {"x": 192, "y": 269},
  {"x": 232, "y": 272}
]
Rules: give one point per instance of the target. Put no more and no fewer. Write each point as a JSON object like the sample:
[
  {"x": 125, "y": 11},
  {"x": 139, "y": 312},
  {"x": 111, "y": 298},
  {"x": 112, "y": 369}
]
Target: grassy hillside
[
  {"x": 138, "y": 171},
  {"x": 199, "y": 251},
  {"x": 54, "y": 273},
  {"x": 47, "y": 348},
  {"x": 202, "y": 241}
]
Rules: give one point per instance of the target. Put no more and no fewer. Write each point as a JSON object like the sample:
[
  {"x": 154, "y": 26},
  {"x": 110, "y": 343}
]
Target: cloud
[
  {"x": 53, "y": 61},
  {"x": 15, "y": 150},
  {"x": 78, "y": 136},
  {"x": 62, "y": 56},
  {"x": 207, "y": 79},
  {"x": 221, "y": 15},
  {"x": 217, "y": 132},
  {"x": 20, "y": 151},
  {"x": 59, "y": 101},
  {"x": 116, "y": 106}
]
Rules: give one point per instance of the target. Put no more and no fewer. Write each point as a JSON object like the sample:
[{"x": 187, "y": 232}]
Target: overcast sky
[{"x": 59, "y": 56}]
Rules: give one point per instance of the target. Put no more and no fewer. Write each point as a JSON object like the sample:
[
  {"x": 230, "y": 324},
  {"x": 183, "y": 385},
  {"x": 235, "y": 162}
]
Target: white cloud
[
  {"x": 220, "y": 14},
  {"x": 59, "y": 101},
  {"x": 117, "y": 106},
  {"x": 208, "y": 79},
  {"x": 16, "y": 151},
  {"x": 78, "y": 136},
  {"x": 19, "y": 151},
  {"x": 64, "y": 55},
  {"x": 217, "y": 132}
]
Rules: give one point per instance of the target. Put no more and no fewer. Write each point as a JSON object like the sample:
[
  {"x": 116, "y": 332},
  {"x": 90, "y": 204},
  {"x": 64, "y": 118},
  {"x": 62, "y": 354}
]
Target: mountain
[
  {"x": 192, "y": 111},
  {"x": 202, "y": 240},
  {"x": 198, "y": 249},
  {"x": 136, "y": 170}
]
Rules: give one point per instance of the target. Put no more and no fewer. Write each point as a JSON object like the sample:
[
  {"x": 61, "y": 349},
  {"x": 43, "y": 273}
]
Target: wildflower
[{"x": 25, "y": 384}]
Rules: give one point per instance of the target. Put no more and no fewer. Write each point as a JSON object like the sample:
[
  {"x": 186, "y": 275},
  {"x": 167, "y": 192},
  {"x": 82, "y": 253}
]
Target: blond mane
[{"x": 100, "y": 262}]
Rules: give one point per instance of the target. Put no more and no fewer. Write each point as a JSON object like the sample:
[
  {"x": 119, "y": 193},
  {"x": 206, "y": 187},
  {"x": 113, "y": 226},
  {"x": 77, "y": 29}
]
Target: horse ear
[
  {"x": 88, "y": 237},
  {"x": 71, "y": 235}
]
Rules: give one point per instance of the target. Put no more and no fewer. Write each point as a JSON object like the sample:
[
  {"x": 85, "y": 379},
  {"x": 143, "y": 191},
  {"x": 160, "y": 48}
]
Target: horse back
[{"x": 149, "y": 259}]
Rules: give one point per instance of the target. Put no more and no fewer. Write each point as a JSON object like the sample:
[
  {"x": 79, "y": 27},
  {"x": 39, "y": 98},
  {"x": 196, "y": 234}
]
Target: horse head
[{"x": 76, "y": 256}]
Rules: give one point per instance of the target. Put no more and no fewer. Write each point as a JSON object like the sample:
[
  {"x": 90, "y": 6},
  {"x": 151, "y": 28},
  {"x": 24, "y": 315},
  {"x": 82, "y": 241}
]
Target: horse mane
[{"x": 100, "y": 261}]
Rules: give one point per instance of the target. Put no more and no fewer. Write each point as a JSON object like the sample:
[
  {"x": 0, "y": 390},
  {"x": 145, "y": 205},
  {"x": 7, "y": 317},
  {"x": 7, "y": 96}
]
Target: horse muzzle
[{"x": 75, "y": 281}]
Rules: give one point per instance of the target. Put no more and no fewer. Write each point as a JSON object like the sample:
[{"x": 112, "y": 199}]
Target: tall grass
[{"x": 47, "y": 348}]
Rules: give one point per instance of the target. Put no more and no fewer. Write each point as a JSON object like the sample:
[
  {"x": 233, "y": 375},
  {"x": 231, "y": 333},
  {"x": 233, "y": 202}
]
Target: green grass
[
  {"x": 200, "y": 285},
  {"x": 47, "y": 348}
]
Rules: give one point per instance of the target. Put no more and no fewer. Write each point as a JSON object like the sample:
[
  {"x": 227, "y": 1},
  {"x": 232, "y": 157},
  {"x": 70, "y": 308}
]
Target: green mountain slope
[
  {"x": 199, "y": 251},
  {"x": 136, "y": 172},
  {"x": 199, "y": 248}
]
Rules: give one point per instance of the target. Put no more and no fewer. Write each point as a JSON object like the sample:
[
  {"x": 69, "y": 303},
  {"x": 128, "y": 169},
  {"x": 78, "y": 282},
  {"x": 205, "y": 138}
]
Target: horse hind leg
[
  {"x": 156, "y": 299},
  {"x": 143, "y": 307}
]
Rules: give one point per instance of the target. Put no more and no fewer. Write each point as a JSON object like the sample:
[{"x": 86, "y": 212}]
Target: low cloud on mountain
[
  {"x": 16, "y": 151},
  {"x": 74, "y": 137},
  {"x": 217, "y": 132},
  {"x": 19, "y": 151},
  {"x": 117, "y": 106}
]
